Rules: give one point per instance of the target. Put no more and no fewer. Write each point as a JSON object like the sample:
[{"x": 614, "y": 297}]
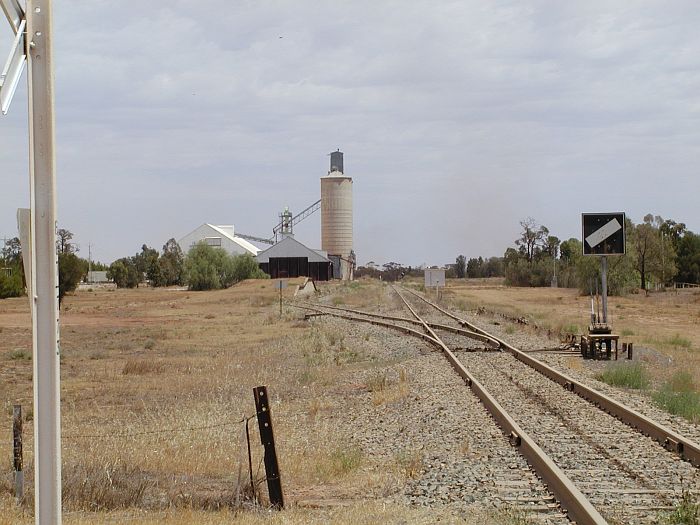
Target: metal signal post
[{"x": 36, "y": 48}]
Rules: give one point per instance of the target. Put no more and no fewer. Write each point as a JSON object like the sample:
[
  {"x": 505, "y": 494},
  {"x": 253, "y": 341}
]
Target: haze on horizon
[{"x": 457, "y": 119}]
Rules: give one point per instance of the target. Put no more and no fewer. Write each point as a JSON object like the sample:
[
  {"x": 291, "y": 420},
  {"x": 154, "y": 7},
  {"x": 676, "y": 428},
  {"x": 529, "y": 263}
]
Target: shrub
[
  {"x": 70, "y": 272},
  {"x": 686, "y": 511},
  {"x": 628, "y": 375},
  {"x": 124, "y": 273},
  {"x": 677, "y": 340},
  {"x": 11, "y": 284},
  {"x": 680, "y": 396},
  {"x": 208, "y": 268},
  {"x": 20, "y": 355}
]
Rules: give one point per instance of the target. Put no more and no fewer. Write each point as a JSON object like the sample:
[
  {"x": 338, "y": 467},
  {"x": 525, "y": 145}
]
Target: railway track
[{"x": 599, "y": 468}]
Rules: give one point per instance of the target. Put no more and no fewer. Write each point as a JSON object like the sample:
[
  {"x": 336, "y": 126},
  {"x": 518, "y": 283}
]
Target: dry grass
[
  {"x": 388, "y": 386},
  {"x": 141, "y": 367},
  {"x": 154, "y": 383},
  {"x": 667, "y": 322},
  {"x": 410, "y": 463}
]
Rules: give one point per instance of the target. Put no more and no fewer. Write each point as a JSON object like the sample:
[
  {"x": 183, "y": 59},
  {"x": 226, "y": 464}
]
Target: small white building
[{"x": 219, "y": 237}]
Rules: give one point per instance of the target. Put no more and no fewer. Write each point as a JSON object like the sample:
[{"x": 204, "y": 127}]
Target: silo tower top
[{"x": 336, "y": 161}]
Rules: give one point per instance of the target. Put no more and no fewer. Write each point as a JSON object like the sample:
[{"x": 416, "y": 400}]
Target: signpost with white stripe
[
  {"x": 33, "y": 45},
  {"x": 603, "y": 234}
]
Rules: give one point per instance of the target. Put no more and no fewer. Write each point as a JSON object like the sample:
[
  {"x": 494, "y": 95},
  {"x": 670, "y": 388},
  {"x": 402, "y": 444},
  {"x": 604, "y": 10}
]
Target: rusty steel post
[
  {"x": 272, "y": 472},
  {"x": 17, "y": 452}
]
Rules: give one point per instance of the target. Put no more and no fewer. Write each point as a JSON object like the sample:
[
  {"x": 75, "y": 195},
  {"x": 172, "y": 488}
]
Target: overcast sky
[{"x": 457, "y": 119}]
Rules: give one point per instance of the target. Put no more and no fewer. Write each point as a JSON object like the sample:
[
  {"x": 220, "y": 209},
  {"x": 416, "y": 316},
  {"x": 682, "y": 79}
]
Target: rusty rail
[
  {"x": 672, "y": 441},
  {"x": 576, "y": 504},
  {"x": 466, "y": 333},
  {"x": 403, "y": 329}
]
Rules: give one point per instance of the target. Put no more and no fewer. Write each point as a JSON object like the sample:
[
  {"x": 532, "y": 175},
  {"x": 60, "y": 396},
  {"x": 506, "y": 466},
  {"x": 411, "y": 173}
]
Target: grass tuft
[
  {"x": 339, "y": 462},
  {"x": 571, "y": 329},
  {"x": 104, "y": 487},
  {"x": 20, "y": 355},
  {"x": 677, "y": 340},
  {"x": 410, "y": 463},
  {"x": 686, "y": 512},
  {"x": 627, "y": 375},
  {"x": 680, "y": 396},
  {"x": 141, "y": 367}
]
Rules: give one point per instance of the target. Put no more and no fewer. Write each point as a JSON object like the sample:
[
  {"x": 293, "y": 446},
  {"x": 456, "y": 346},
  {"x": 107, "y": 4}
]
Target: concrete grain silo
[{"x": 336, "y": 218}]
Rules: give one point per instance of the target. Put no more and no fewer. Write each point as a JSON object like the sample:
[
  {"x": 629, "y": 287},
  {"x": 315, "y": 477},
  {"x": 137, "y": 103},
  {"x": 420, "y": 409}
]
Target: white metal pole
[{"x": 47, "y": 391}]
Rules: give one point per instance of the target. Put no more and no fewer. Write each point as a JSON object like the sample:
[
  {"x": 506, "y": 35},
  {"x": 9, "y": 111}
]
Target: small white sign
[
  {"x": 281, "y": 283},
  {"x": 434, "y": 277},
  {"x": 602, "y": 233}
]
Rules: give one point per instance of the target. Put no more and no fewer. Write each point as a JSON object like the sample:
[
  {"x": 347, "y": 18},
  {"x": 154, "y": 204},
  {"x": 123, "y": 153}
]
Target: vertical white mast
[{"x": 47, "y": 391}]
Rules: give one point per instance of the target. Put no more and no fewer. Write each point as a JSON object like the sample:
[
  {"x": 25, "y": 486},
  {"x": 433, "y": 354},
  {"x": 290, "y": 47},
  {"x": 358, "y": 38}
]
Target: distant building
[
  {"x": 290, "y": 258},
  {"x": 218, "y": 237},
  {"x": 97, "y": 277}
]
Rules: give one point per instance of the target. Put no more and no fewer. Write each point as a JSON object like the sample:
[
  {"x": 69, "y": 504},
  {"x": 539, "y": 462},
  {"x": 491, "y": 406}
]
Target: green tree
[
  {"x": 146, "y": 263},
  {"x": 551, "y": 246},
  {"x": 246, "y": 267},
  {"x": 492, "y": 267},
  {"x": 10, "y": 281},
  {"x": 473, "y": 269},
  {"x": 12, "y": 251},
  {"x": 208, "y": 268},
  {"x": 655, "y": 255},
  {"x": 172, "y": 264},
  {"x": 70, "y": 272},
  {"x": 124, "y": 273},
  {"x": 63, "y": 242},
  {"x": 532, "y": 239},
  {"x": 689, "y": 258},
  {"x": 461, "y": 266},
  {"x": 570, "y": 249}
]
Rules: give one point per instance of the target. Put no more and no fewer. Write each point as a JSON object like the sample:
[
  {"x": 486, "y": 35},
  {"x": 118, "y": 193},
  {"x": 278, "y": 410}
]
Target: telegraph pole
[{"x": 36, "y": 47}]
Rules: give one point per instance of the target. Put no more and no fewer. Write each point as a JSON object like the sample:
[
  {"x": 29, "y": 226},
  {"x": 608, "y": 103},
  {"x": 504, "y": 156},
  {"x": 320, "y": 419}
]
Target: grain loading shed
[{"x": 290, "y": 258}]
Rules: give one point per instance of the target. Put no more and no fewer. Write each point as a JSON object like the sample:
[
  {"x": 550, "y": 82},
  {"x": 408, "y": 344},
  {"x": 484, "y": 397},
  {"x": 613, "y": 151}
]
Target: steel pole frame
[
  {"x": 604, "y": 280},
  {"x": 44, "y": 271}
]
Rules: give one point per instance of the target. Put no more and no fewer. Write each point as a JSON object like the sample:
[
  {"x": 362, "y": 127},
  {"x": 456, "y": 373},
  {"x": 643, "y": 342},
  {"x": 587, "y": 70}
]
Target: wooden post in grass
[
  {"x": 17, "y": 452},
  {"x": 272, "y": 471}
]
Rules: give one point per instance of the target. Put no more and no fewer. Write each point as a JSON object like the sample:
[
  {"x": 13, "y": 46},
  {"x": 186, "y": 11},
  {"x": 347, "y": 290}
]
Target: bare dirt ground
[{"x": 155, "y": 382}]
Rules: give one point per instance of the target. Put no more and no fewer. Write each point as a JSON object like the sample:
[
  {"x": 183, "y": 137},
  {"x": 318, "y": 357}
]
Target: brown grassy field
[{"x": 154, "y": 384}]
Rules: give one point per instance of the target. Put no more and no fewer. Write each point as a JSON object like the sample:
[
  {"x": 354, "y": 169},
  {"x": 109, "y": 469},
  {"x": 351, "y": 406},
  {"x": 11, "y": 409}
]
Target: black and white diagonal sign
[{"x": 603, "y": 233}]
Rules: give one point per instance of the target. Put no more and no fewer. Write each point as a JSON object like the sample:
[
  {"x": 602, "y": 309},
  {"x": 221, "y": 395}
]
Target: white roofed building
[{"x": 221, "y": 236}]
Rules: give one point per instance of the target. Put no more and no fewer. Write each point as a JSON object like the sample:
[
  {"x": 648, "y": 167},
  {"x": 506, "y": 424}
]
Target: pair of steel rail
[{"x": 570, "y": 497}]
